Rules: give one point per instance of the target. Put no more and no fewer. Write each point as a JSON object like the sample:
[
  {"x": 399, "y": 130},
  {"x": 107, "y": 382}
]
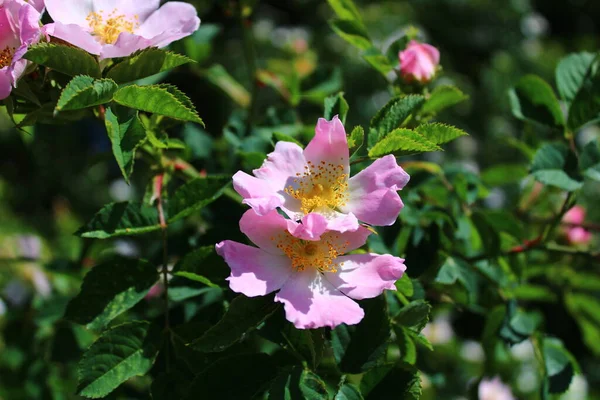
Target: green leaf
[
  {"x": 203, "y": 265},
  {"x": 589, "y": 161},
  {"x": 586, "y": 105},
  {"x": 551, "y": 165},
  {"x": 490, "y": 238},
  {"x": 102, "y": 297},
  {"x": 244, "y": 315},
  {"x": 125, "y": 138},
  {"x": 456, "y": 270},
  {"x": 402, "y": 142},
  {"x": 443, "y": 97},
  {"x": 145, "y": 63},
  {"x": 352, "y": 32},
  {"x": 298, "y": 384},
  {"x": 571, "y": 72},
  {"x": 584, "y": 309},
  {"x": 195, "y": 195},
  {"x": 68, "y": 60},
  {"x": 399, "y": 381},
  {"x": 282, "y": 137},
  {"x": 405, "y": 286},
  {"x": 532, "y": 99},
  {"x": 84, "y": 91},
  {"x": 356, "y": 139},
  {"x": 241, "y": 376},
  {"x": 361, "y": 347},
  {"x": 415, "y": 314},
  {"x": 527, "y": 292},
  {"x": 158, "y": 99},
  {"x": 503, "y": 174},
  {"x": 121, "y": 219},
  {"x": 336, "y": 105},
  {"x": 308, "y": 344},
  {"x": 122, "y": 352},
  {"x": 439, "y": 133},
  {"x": 346, "y": 9},
  {"x": 377, "y": 60},
  {"x": 392, "y": 115},
  {"x": 218, "y": 76},
  {"x": 393, "y": 52},
  {"x": 348, "y": 392},
  {"x": 559, "y": 366},
  {"x": 407, "y": 347}
]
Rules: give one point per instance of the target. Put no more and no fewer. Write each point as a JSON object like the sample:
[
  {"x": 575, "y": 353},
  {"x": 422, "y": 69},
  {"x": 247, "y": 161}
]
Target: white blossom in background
[
  {"x": 578, "y": 389},
  {"x": 523, "y": 351},
  {"x": 494, "y": 389},
  {"x": 472, "y": 351},
  {"x": 439, "y": 330}
]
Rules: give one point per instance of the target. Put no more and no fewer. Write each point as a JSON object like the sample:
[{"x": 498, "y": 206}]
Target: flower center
[
  {"x": 108, "y": 28},
  {"x": 6, "y": 56},
  {"x": 303, "y": 253},
  {"x": 323, "y": 185}
]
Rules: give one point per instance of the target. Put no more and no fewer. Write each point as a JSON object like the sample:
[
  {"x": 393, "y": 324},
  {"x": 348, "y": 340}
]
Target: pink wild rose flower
[
  {"x": 317, "y": 180},
  {"x": 494, "y": 389},
  {"x": 19, "y": 29},
  {"x": 305, "y": 263},
  {"x": 418, "y": 62},
  {"x": 576, "y": 234},
  {"x": 118, "y": 28}
]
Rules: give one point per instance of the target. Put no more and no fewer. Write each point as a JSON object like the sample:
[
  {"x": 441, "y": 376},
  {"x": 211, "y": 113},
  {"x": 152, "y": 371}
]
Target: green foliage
[
  {"x": 402, "y": 141},
  {"x": 336, "y": 105},
  {"x": 438, "y": 133},
  {"x": 102, "y": 297},
  {"x": 120, "y": 353},
  {"x": 359, "y": 348},
  {"x": 351, "y": 31},
  {"x": 196, "y": 194},
  {"x": 571, "y": 73},
  {"x": 68, "y": 60},
  {"x": 298, "y": 384},
  {"x": 145, "y": 63},
  {"x": 202, "y": 265},
  {"x": 443, "y": 97},
  {"x": 218, "y": 76},
  {"x": 85, "y": 91},
  {"x": 559, "y": 365},
  {"x": 392, "y": 116},
  {"x": 589, "y": 161},
  {"x": 532, "y": 99},
  {"x": 244, "y": 314},
  {"x": 126, "y": 137},
  {"x": 553, "y": 164},
  {"x": 585, "y": 105},
  {"x": 398, "y": 381},
  {"x": 121, "y": 219},
  {"x": 158, "y": 99}
]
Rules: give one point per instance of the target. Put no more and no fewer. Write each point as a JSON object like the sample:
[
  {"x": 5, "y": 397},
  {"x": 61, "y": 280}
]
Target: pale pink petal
[
  {"x": 17, "y": 68},
  {"x": 29, "y": 24},
  {"x": 129, "y": 8},
  {"x": 579, "y": 235},
  {"x": 431, "y": 52},
  {"x": 37, "y": 4},
  {"x": 329, "y": 144},
  {"x": 363, "y": 276},
  {"x": 282, "y": 165},
  {"x": 75, "y": 35},
  {"x": 310, "y": 301},
  {"x": 173, "y": 21},
  {"x": 70, "y": 11},
  {"x": 419, "y": 61},
  {"x": 263, "y": 230},
  {"x": 257, "y": 193},
  {"x": 5, "y": 83},
  {"x": 349, "y": 240},
  {"x": 373, "y": 196},
  {"x": 254, "y": 272},
  {"x": 342, "y": 222},
  {"x": 311, "y": 228},
  {"x": 126, "y": 44},
  {"x": 575, "y": 215}
]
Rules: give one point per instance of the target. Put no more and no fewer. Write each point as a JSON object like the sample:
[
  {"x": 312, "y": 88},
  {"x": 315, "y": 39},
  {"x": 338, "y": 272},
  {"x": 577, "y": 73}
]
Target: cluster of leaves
[{"x": 507, "y": 270}]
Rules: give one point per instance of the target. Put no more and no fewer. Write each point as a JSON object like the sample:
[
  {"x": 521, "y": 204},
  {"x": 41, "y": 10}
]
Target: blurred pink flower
[
  {"x": 576, "y": 234},
  {"x": 494, "y": 389},
  {"x": 118, "y": 28},
  {"x": 317, "y": 179},
  {"x": 19, "y": 28},
  {"x": 418, "y": 62},
  {"x": 304, "y": 262}
]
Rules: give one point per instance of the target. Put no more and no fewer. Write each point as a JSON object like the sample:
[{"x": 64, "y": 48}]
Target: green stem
[{"x": 250, "y": 55}]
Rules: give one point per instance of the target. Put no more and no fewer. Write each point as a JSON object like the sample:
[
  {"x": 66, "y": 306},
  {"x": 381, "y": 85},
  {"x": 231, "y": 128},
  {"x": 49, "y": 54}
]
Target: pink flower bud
[
  {"x": 418, "y": 62},
  {"x": 576, "y": 234}
]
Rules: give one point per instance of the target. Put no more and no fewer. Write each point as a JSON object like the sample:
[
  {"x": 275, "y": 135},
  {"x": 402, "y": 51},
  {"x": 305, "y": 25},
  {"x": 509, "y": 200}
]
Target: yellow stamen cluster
[
  {"x": 322, "y": 185},
  {"x": 317, "y": 254},
  {"x": 107, "y": 29},
  {"x": 6, "y": 56}
]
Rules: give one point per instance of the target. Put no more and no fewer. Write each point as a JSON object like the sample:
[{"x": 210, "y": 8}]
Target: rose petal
[
  {"x": 5, "y": 83},
  {"x": 173, "y": 21},
  {"x": 257, "y": 193},
  {"x": 312, "y": 227},
  {"x": 329, "y": 144},
  {"x": 262, "y": 230},
  {"x": 70, "y": 11},
  {"x": 363, "y": 276},
  {"x": 130, "y": 8},
  {"x": 349, "y": 240},
  {"x": 254, "y": 272},
  {"x": 310, "y": 301},
  {"x": 126, "y": 44},
  {"x": 75, "y": 35},
  {"x": 372, "y": 192}
]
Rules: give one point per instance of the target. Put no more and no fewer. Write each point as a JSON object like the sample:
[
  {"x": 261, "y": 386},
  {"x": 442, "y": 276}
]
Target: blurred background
[{"x": 53, "y": 178}]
